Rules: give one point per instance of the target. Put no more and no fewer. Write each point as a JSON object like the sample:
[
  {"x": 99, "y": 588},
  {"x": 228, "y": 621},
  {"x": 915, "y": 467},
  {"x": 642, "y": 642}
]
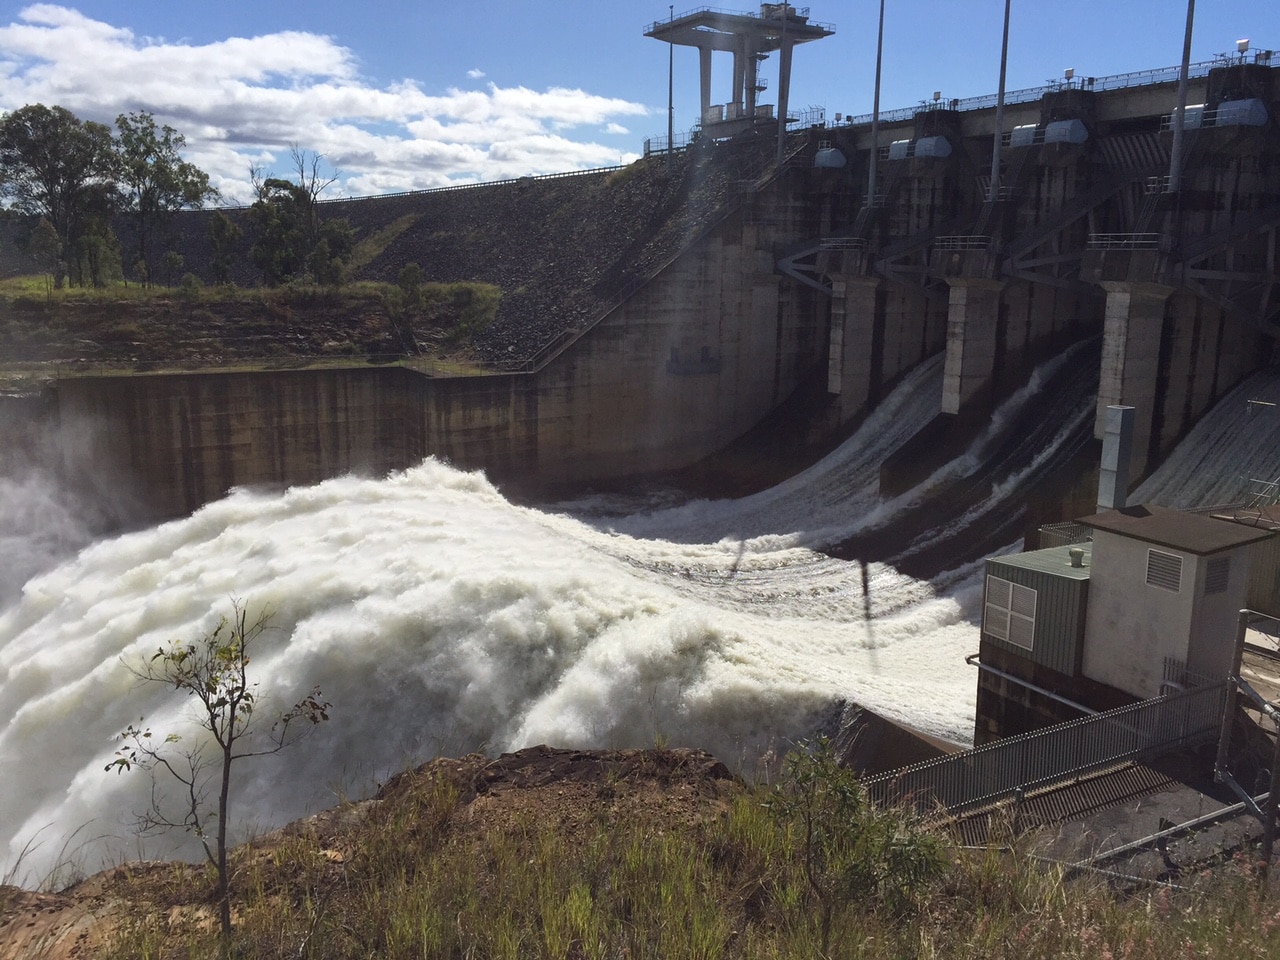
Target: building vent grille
[
  {"x": 1164, "y": 570},
  {"x": 1215, "y": 578},
  {"x": 1010, "y": 612}
]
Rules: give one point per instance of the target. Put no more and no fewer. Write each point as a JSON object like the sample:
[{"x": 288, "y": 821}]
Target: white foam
[{"x": 439, "y": 618}]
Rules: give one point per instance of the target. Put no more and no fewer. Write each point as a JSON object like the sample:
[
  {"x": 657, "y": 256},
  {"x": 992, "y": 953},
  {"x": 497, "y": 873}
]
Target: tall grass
[
  {"x": 421, "y": 874},
  {"x": 35, "y": 289}
]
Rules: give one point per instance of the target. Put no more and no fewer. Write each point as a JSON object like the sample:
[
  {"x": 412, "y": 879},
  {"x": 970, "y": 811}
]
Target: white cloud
[
  {"x": 475, "y": 74},
  {"x": 245, "y": 100}
]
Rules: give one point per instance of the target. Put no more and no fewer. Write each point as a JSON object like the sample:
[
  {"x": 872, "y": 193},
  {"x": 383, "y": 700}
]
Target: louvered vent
[
  {"x": 1164, "y": 570},
  {"x": 1217, "y": 575}
]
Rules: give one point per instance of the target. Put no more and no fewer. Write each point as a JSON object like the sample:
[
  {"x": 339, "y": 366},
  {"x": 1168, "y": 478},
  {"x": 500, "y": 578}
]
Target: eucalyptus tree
[
  {"x": 154, "y": 180},
  {"x": 292, "y": 240},
  {"x": 59, "y": 167}
]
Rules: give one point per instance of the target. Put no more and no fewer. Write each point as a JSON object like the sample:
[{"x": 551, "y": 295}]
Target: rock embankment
[{"x": 561, "y": 249}]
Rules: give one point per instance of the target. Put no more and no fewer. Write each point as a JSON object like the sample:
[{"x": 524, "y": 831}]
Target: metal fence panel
[{"x": 1042, "y": 758}]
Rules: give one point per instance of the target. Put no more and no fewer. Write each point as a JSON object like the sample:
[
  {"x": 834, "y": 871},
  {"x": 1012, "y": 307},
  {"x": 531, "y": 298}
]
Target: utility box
[
  {"x": 1165, "y": 584},
  {"x": 1087, "y": 627},
  {"x": 1034, "y": 605}
]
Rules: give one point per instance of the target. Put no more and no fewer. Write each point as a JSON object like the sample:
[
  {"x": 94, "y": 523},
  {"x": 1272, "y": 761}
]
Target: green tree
[
  {"x": 172, "y": 264},
  {"x": 154, "y": 179},
  {"x": 54, "y": 165},
  {"x": 46, "y": 249},
  {"x": 409, "y": 281},
  {"x": 214, "y": 672},
  {"x": 279, "y": 217},
  {"x": 225, "y": 237},
  {"x": 292, "y": 240},
  {"x": 96, "y": 252}
]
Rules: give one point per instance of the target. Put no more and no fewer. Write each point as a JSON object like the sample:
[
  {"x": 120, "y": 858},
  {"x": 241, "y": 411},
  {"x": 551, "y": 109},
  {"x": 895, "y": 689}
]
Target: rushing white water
[
  {"x": 39, "y": 523},
  {"x": 439, "y": 618},
  {"x": 1233, "y": 443},
  {"x": 837, "y": 497},
  {"x": 818, "y": 506}
]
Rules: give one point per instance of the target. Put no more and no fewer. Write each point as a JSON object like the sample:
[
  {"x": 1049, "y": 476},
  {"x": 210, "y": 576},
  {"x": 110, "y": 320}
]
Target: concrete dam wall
[
  {"x": 690, "y": 362},
  {"x": 779, "y": 279}
]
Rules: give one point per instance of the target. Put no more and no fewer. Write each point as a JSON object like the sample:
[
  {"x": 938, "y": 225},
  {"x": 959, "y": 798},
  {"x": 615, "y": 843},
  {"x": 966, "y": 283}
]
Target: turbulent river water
[{"x": 440, "y": 618}]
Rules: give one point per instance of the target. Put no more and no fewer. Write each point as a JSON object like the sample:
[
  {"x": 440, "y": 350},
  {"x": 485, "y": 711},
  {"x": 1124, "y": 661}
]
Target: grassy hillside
[{"x": 657, "y": 853}]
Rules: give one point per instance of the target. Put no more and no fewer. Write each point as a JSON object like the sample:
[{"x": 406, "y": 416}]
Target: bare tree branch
[{"x": 214, "y": 671}]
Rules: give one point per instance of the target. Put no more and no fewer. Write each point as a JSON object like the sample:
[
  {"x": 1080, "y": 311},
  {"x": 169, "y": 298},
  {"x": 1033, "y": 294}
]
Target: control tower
[{"x": 750, "y": 38}]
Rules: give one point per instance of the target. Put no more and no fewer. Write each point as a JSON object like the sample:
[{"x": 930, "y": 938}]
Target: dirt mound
[{"x": 541, "y": 784}]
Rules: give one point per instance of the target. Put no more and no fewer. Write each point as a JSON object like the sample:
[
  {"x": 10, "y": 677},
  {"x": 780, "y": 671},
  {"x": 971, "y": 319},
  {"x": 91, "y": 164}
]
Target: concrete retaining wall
[{"x": 689, "y": 363}]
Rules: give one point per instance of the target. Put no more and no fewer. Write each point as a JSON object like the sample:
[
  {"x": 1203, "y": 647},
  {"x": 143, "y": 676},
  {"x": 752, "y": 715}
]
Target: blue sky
[{"x": 403, "y": 95}]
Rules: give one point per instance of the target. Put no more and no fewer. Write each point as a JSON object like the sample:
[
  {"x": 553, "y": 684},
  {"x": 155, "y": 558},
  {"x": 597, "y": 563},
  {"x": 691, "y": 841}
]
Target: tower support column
[
  {"x": 740, "y": 54},
  {"x": 784, "y": 92},
  {"x": 704, "y": 80}
]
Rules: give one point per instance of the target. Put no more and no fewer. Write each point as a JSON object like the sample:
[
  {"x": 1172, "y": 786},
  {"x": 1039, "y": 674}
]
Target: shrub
[
  {"x": 190, "y": 287},
  {"x": 850, "y": 849}
]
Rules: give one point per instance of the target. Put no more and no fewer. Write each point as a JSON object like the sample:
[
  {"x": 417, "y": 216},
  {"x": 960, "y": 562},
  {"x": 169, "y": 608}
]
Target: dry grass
[
  {"x": 129, "y": 329},
  {"x": 642, "y": 861}
]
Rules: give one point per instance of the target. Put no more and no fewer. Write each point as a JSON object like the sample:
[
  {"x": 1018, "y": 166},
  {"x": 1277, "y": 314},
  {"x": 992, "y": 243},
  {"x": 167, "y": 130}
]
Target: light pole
[
  {"x": 1179, "y": 119},
  {"x": 875, "y": 116},
  {"x": 994, "y": 191},
  {"x": 671, "y": 79}
]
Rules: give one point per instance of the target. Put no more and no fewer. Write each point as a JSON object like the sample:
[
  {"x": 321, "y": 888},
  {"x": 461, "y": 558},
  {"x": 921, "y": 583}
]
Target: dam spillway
[
  {"x": 658, "y": 312},
  {"x": 440, "y": 618},
  {"x": 402, "y": 588}
]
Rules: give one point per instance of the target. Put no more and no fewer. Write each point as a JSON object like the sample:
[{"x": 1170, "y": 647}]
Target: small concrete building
[
  {"x": 1074, "y": 629},
  {"x": 1165, "y": 584}
]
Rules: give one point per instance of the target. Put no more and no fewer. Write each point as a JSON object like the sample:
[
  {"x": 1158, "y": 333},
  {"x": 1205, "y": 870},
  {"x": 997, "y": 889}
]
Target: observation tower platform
[{"x": 750, "y": 38}]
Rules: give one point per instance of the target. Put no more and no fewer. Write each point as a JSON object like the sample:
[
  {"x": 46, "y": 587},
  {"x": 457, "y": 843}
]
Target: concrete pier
[
  {"x": 1131, "y": 339},
  {"x": 973, "y": 315},
  {"x": 856, "y": 332}
]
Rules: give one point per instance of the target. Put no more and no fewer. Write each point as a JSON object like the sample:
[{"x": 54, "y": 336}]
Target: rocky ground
[{"x": 173, "y": 332}]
